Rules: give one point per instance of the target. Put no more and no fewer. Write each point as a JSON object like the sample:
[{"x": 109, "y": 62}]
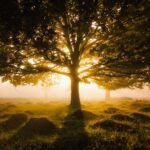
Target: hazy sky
[{"x": 62, "y": 91}]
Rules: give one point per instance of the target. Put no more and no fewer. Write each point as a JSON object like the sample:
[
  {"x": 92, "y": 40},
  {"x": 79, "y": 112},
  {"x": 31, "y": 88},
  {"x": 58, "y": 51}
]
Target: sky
[{"x": 62, "y": 91}]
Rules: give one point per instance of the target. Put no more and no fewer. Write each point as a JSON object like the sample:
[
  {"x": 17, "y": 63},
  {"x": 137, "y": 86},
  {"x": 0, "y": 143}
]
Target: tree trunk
[
  {"x": 75, "y": 98},
  {"x": 107, "y": 94}
]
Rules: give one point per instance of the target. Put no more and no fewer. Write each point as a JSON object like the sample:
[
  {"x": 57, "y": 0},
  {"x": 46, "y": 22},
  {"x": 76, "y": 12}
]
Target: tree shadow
[{"x": 72, "y": 135}]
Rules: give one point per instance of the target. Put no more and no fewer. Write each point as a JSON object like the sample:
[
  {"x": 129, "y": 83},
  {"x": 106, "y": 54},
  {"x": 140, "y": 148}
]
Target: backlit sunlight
[
  {"x": 88, "y": 91},
  {"x": 63, "y": 81}
]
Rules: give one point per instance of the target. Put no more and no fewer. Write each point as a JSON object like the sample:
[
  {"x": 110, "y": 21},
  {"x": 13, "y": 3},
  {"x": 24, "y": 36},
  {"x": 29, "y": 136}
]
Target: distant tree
[
  {"x": 114, "y": 83},
  {"x": 75, "y": 38}
]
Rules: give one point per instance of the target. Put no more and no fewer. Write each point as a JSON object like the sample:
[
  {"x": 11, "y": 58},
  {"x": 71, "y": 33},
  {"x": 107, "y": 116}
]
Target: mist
[{"x": 62, "y": 92}]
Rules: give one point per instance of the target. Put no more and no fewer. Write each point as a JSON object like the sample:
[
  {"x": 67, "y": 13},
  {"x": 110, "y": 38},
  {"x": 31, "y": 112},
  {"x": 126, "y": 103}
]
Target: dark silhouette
[
  {"x": 14, "y": 121},
  {"x": 82, "y": 39},
  {"x": 111, "y": 125},
  {"x": 38, "y": 127},
  {"x": 72, "y": 135}
]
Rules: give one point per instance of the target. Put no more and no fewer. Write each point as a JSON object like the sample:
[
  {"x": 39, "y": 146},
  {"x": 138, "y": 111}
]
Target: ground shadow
[
  {"x": 111, "y": 110},
  {"x": 14, "y": 122},
  {"x": 141, "y": 118},
  {"x": 4, "y": 116},
  {"x": 72, "y": 135},
  {"x": 38, "y": 127},
  {"x": 111, "y": 125},
  {"x": 29, "y": 112},
  {"x": 122, "y": 117},
  {"x": 145, "y": 109},
  {"x": 26, "y": 138},
  {"x": 101, "y": 143}
]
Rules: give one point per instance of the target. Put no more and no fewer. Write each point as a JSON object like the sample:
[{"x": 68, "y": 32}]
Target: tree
[
  {"x": 134, "y": 42},
  {"x": 132, "y": 68},
  {"x": 114, "y": 83},
  {"x": 74, "y": 38}
]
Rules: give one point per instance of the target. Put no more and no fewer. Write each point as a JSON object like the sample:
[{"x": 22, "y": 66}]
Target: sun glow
[
  {"x": 64, "y": 81},
  {"x": 31, "y": 61},
  {"x": 87, "y": 91}
]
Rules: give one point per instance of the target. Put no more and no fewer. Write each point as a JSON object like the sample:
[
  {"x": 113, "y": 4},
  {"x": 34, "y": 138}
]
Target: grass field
[{"x": 114, "y": 125}]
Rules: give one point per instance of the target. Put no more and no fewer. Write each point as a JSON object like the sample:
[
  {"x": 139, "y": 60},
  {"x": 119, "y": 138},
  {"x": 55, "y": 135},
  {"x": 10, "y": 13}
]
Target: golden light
[
  {"x": 64, "y": 81},
  {"x": 87, "y": 91},
  {"x": 31, "y": 61}
]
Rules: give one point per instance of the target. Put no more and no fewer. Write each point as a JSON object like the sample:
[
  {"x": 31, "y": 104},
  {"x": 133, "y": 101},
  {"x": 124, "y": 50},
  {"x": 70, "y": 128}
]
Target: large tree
[{"x": 68, "y": 37}]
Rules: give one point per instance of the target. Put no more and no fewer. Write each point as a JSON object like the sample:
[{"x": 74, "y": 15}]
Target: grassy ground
[{"x": 114, "y": 125}]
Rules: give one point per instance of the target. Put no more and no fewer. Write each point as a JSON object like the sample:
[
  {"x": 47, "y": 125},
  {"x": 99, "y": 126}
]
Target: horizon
[{"x": 87, "y": 92}]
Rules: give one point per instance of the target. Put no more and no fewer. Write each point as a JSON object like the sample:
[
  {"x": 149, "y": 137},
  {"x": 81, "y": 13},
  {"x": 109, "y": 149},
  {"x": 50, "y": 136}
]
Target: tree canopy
[{"x": 82, "y": 39}]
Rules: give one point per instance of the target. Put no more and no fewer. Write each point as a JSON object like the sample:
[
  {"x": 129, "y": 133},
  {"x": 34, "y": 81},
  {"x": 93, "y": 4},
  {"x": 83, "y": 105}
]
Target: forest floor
[{"x": 112, "y": 125}]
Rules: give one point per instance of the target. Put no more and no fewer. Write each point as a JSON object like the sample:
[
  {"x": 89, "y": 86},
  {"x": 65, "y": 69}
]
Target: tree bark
[
  {"x": 75, "y": 98},
  {"x": 107, "y": 94}
]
